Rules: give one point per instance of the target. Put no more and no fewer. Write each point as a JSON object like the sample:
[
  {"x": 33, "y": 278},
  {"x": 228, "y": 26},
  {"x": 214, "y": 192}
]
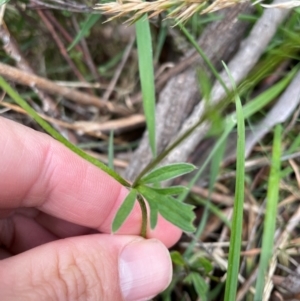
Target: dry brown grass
[{"x": 181, "y": 10}]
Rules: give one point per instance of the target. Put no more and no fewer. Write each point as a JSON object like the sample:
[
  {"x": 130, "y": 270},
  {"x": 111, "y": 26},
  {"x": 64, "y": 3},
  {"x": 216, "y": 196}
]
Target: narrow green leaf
[
  {"x": 270, "y": 216},
  {"x": 50, "y": 130},
  {"x": 203, "y": 55},
  {"x": 161, "y": 37},
  {"x": 145, "y": 57},
  {"x": 294, "y": 146},
  {"x": 205, "y": 84},
  {"x": 237, "y": 218},
  {"x": 203, "y": 264},
  {"x": 124, "y": 210},
  {"x": 86, "y": 26},
  {"x": 199, "y": 284},
  {"x": 167, "y": 172},
  {"x": 213, "y": 208},
  {"x": 153, "y": 214},
  {"x": 179, "y": 214},
  {"x": 214, "y": 171},
  {"x": 177, "y": 258},
  {"x": 173, "y": 190}
]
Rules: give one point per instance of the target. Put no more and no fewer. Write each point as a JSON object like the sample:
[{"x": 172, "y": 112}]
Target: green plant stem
[
  {"x": 220, "y": 106},
  {"x": 144, "y": 215},
  {"x": 204, "y": 57},
  {"x": 254, "y": 78},
  {"x": 270, "y": 216},
  {"x": 237, "y": 218},
  {"x": 31, "y": 112}
]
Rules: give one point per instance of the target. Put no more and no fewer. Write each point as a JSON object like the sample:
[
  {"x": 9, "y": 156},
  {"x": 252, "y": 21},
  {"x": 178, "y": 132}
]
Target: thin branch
[
  {"x": 11, "y": 48},
  {"x": 50, "y": 87},
  {"x": 63, "y": 31},
  {"x": 86, "y": 53},
  {"x": 60, "y": 45},
  {"x": 60, "y": 5},
  {"x": 117, "y": 74}
]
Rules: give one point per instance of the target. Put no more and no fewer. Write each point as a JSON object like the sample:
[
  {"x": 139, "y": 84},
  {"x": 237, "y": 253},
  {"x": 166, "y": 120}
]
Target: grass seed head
[{"x": 181, "y": 10}]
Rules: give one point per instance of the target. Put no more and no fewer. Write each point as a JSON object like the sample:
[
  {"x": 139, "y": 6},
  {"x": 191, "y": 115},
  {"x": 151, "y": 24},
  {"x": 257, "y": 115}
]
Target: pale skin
[{"x": 56, "y": 212}]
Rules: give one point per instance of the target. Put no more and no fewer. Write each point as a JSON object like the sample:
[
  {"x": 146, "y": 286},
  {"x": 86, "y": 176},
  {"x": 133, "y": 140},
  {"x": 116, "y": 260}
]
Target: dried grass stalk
[{"x": 181, "y": 10}]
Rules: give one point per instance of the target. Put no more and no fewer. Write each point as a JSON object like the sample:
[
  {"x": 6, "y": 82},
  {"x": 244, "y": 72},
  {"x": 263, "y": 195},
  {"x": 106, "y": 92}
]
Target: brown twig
[
  {"x": 60, "y": 5},
  {"x": 62, "y": 30},
  {"x": 91, "y": 128},
  {"x": 11, "y": 48},
  {"x": 50, "y": 87},
  {"x": 60, "y": 45},
  {"x": 117, "y": 74}
]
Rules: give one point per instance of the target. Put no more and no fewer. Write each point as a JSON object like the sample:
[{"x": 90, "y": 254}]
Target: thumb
[{"x": 94, "y": 267}]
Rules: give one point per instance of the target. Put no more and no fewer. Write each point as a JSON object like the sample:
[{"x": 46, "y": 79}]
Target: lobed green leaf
[
  {"x": 167, "y": 172},
  {"x": 173, "y": 190},
  {"x": 153, "y": 214},
  {"x": 124, "y": 210},
  {"x": 177, "y": 258},
  {"x": 202, "y": 263},
  {"x": 179, "y": 214},
  {"x": 199, "y": 284}
]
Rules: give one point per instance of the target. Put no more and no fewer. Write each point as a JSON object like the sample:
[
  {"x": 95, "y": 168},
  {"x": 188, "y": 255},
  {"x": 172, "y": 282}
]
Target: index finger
[{"x": 37, "y": 171}]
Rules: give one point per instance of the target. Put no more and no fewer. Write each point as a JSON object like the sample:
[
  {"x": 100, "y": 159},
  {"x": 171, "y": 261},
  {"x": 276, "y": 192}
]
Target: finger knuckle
[{"x": 78, "y": 279}]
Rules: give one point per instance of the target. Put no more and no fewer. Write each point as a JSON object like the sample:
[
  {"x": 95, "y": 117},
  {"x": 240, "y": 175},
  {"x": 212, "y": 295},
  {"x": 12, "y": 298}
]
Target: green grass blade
[
  {"x": 214, "y": 171},
  {"x": 162, "y": 34},
  {"x": 270, "y": 216},
  {"x": 205, "y": 84},
  {"x": 264, "y": 98},
  {"x": 237, "y": 218},
  {"x": 203, "y": 55},
  {"x": 47, "y": 127},
  {"x": 295, "y": 145},
  {"x": 228, "y": 128},
  {"x": 144, "y": 46},
  {"x": 124, "y": 210},
  {"x": 167, "y": 172},
  {"x": 173, "y": 190},
  {"x": 214, "y": 209},
  {"x": 90, "y": 21},
  {"x": 111, "y": 150}
]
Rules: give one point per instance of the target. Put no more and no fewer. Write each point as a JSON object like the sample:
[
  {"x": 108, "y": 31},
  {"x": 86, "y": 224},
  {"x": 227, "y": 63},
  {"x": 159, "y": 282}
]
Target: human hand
[{"x": 55, "y": 209}]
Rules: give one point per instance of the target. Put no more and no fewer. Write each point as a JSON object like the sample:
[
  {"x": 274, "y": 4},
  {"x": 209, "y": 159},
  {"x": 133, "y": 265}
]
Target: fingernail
[{"x": 145, "y": 269}]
